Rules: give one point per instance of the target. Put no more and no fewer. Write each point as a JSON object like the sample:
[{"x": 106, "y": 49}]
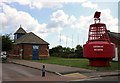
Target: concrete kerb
[
  {"x": 105, "y": 75},
  {"x": 110, "y": 75},
  {"x": 57, "y": 73},
  {"x": 37, "y": 68},
  {"x": 93, "y": 77}
]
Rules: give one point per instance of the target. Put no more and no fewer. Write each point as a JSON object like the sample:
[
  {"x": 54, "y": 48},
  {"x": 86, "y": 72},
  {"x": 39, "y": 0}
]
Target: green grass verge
[{"x": 79, "y": 62}]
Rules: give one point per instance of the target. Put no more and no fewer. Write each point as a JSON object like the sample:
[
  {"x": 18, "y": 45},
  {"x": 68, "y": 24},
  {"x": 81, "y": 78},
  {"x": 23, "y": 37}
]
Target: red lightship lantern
[{"x": 98, "y": 49}]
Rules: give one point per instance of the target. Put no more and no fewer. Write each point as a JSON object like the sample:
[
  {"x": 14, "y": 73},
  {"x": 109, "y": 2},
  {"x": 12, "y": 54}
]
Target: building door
[{"x": 35, "y": 52}]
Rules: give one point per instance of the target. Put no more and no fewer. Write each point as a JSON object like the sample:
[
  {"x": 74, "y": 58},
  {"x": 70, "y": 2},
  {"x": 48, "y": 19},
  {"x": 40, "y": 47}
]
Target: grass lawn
[{"x": 78, "y": 62}]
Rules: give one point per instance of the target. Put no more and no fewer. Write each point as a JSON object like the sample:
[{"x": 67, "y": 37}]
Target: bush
[{"x": 64, "y": 52}]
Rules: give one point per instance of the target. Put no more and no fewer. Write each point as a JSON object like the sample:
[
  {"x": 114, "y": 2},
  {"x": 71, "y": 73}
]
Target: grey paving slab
[
  {"x": 59, "y": 69},
  {"x": 52, "y": 67}
]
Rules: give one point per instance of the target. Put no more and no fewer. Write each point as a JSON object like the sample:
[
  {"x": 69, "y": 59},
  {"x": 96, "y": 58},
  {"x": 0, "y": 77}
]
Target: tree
[
  {"x": 79, "y": 51},
  {"x": 67, "y": 52},
  {"x": 6, "y": 42},
  {"x": 55, "y": 51}
]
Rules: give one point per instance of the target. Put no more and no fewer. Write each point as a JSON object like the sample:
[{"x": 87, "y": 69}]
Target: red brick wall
[
  {"x": 44, "y": 51},
  {"x": 14, "y": 53},
  {"x": 119, "y": 53},
  {"x": 117, "y": 43},
  {"x": 27, "y": 51}
]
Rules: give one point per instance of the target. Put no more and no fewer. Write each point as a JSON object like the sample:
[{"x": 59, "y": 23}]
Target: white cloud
[
  {"x": 66, "y": 1},
  {"x": 60, "y": 16},
  {"x": 72, "y": 19},
  {"x": 36, "y": 3},
  {"x": 22, "y": 2},
  {"x": 106, "y": 17},
  {"x": 62, "y": 19},
  {"x": 89, "y": 4},
  {"x": 82, "y": 23},
  {"x": 65, "y": 40},
  {"x": 109, "y": 20},
  {"x": 43, "y": 3},
  {"x": 11, "y": 19},
  {"x": 56, "y": 30},
  {"x": 105, "y": 1}
]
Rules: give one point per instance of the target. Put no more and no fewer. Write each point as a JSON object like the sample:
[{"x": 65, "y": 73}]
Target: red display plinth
[{"x": 99, "y": 63}]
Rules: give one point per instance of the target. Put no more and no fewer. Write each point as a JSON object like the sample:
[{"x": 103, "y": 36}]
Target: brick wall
[
  {"x": 44, "y": 51},
  {"x": 27, "y": 51},
  {"x": 117, "y": 43},
  {"x": 24, "y": 51},
  {"x": 14, "y": 53},
  {"x": 119, "y": 52}
]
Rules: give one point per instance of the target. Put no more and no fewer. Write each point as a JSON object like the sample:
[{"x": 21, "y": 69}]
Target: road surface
[
  {"x": 108, "y": 79},
  {"x": 13, "y": 72}
]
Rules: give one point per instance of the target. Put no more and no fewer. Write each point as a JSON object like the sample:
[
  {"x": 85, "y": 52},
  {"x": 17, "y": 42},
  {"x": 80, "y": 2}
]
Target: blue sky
[{"x": 59, "y": 23}]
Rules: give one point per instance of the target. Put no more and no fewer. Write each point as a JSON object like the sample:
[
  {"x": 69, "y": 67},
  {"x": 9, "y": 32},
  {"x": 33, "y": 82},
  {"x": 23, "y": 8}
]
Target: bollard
[{"x": 43, "y": 71}]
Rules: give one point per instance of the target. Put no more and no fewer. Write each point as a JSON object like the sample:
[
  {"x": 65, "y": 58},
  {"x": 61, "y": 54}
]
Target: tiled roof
[
  {"x": 115, "y": 35},
  {"x": 30, "y": 38},
  {"x": 20, "y": 30}
]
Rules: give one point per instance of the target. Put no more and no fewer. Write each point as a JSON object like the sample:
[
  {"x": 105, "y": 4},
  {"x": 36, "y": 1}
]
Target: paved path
[
  {"x": 14, "y": 72},
  {"x": 60, "y": 70}
]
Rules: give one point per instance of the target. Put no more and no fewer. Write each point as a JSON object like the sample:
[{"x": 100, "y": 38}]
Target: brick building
[
  {"x": 29, "y": 46},
  {"x": 115, "y": 38}
]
